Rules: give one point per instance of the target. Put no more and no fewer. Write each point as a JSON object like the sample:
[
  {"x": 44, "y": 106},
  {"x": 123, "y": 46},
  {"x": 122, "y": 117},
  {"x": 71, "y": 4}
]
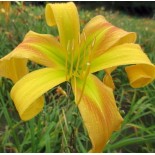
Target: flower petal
[
  {"x": 98, "y": 109},
  {"x": 65, "y": 16},
  {"x": 124, "y": 55},
  {"x": 140, "y": 75},
  {"x": 10, "y": 69},
  {"x": 40, "y": 48},
  {"x": 104, "y": 35},
  {"x": 107, "y": 80},
  {"x": 27, "y": 90}
]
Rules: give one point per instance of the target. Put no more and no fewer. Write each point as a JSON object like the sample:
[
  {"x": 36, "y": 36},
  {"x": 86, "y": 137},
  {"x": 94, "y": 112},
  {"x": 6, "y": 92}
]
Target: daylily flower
[{"x": 100, "y": 46}]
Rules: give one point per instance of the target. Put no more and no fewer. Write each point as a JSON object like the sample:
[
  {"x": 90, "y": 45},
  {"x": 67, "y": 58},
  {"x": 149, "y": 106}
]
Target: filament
[
  {"x": 75, "y": 88},
  {"x": 91, "y": 54},
  {"x": 79, "y": 52},
  {"x": 84, "y": 34},
  {"x": 72, "y": 58},
  {"x": 85, "y": 79},
  {"x": 66, "y": 65}
]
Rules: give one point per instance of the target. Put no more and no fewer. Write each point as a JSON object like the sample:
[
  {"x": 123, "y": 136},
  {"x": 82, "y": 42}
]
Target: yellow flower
[{"x": 100, "y": 46}]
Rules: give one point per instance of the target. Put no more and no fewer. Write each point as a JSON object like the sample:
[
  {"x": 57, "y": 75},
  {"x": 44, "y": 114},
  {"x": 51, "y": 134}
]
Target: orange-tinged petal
[
  {"x": 126, "y": 54},
  {"x": 121, "y": 55},
  {"x": 65, "y": 16},
  {"x": 118, "y": 55},
  {"x": 13, "y": 69},
  {"x": 104, "y": 35},
  {"x": 40, "y": 48},
  {"x": 98, "y": 110},
  {"x": 25, "y": 92},
  {"x": 140, "y": 75},
  {"x": 107, "y": 80}
]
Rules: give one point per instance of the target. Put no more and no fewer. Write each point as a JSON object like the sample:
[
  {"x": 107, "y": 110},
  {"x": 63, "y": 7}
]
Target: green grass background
[{"x": 59, "y": 127}]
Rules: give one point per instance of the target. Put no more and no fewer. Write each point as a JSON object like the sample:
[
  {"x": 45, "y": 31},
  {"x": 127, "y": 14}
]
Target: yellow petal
[
  {"x": 98, "y": 109},
  {"x": 65, "y": 16},
  {"x": 122, "y": 55},
  {"x": 13, "y": 69},
  {"x": 140, "y": 75},
  {"x": 104, "y": 35},
  {"x": 25, "y": 92},
  {"x": 40, "y": 48},
  {"x": 107, "y": 80}
]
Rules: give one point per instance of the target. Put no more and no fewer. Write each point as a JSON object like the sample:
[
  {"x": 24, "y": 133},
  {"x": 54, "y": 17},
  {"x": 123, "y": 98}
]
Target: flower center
[{"x": 78, "y": 58}]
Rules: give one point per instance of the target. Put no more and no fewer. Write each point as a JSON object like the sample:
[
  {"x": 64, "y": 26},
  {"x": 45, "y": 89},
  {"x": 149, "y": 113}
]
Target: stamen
[
  {"x": 85, "y": 79},
  {"x": 85, "y": 56},
  {"x": 67, "y": 55},
  {"x": 73, "y": 44},
  {"x": 79, "y": 39},
  {"x": 88, "y": 63},
  {"x": 91, "y": 54},
  {"x": 72, "y": 58},
  {"x": 84, "y": 34},
  {"x": 79, "y": 53},
  {"x": 75, "y": 87},
  {"x": 66, "y": 66},
  {"x": 78, "y": 61}
]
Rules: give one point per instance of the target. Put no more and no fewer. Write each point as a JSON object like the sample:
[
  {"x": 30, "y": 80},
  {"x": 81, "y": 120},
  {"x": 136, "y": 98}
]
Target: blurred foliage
[{"x": 136, "y": 8}]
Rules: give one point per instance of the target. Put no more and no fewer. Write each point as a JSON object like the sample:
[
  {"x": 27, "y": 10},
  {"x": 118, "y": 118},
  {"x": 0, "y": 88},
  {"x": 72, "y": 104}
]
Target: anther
[{"x": 88, "y": 63}]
